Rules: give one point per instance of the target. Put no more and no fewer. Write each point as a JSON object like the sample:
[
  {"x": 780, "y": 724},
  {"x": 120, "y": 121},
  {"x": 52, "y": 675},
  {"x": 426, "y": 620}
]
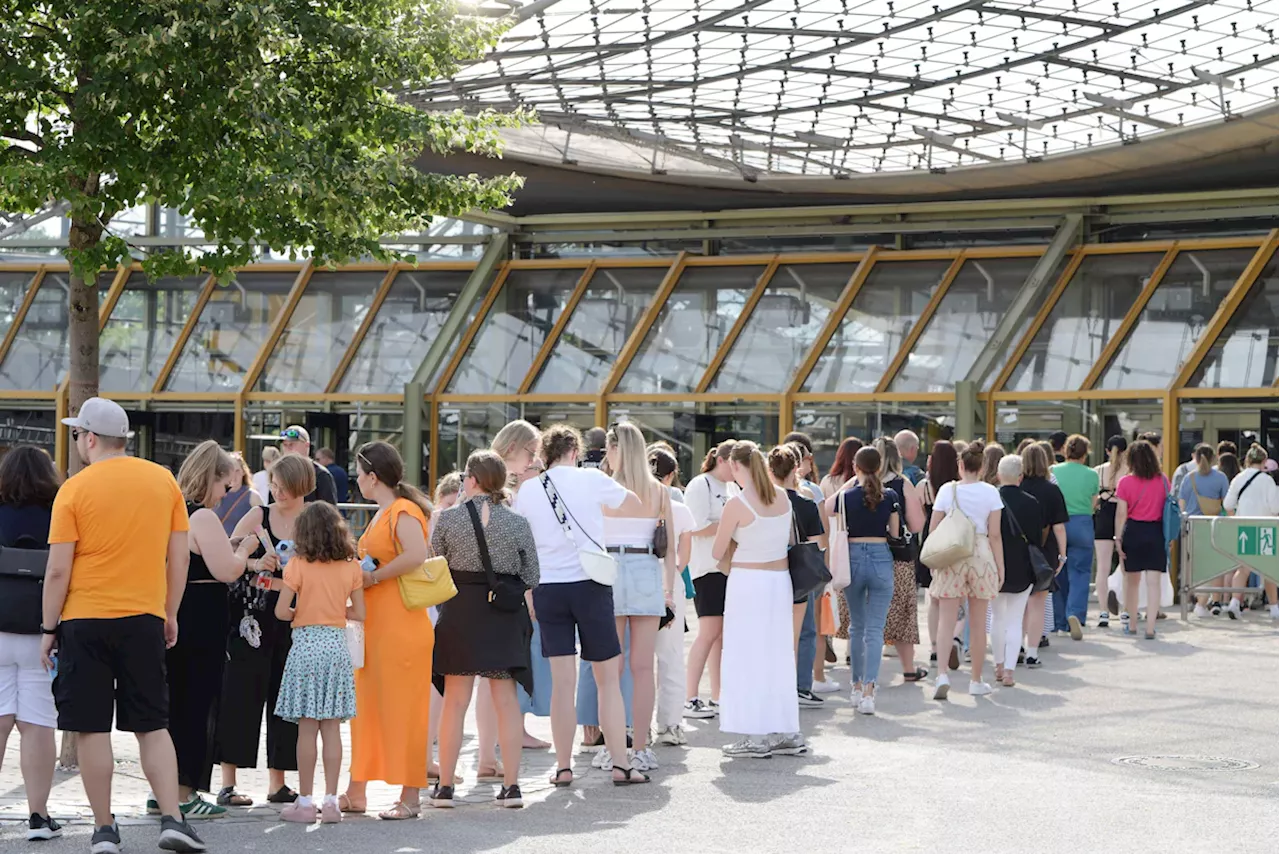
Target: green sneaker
[
  {"x": 153, "y": 806},
  {"x": 198, "y": 808}
]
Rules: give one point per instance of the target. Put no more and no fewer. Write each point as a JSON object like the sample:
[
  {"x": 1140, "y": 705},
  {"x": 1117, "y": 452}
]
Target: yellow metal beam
[
  {"x": 554, "y": 335},
  {"x": 353, "y": 345},
  {"x": 21, "y": 314},
  {"x": 834, "y": 319},
  {"x": 467, "y": 337},
  {"x": 113, "y": 296},
  {"x": 909, "y": 343},
  {"x": 1043, "y": 314},
  {"x": 1226, "y": 310},
  {"x": 738, "y": 324},
  {"x": 187, "y": 328},
  {"x": 277, "y": 328},
  {"x": 1108, "y": 353},
  {"x": 61, "y": 435},
  {"x": 651, "y": 313}
]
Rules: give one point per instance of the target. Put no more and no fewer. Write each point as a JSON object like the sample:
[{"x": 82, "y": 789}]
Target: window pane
[
  {"x": 782, "y": 328},
  {"x": 329, "y": 312},
  {"x": 13, "y": 287},
  {"x": 690, "y": 328},
  {"x": 1083, "y": 321},
  {"x": 872, "y": 331},
  {"x": 1172, "y": 321},
  {"x": 1244, "y": 356},
  {"x": 519, "y": 322},
  {"x": 963, "y": 324},
  {"x": 232, "y": 328},
  {"x": 409, "y": 320},
  {"x": 604, "y": 319},
  {"x": 467, "y": 428},
  {"x": 143, "y": 328},
  {"x": 40, "y": 354}
]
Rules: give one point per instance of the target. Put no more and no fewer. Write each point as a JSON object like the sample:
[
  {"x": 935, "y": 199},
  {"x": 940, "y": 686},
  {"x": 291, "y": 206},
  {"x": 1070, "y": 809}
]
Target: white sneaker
[
  {"x": 941, "y": 686},
  {"x": 1233, "y": 609},
  {"x": 672, "y": 736},
  {"x": 1274, "y": 611},
  {"x": 1201, "y": 611},
  {"x": 867, "y": 705},
  {"x": 979, "y": 689},
  {"x": 788, "y": 745},
  {"x": 698, "y": 710},
  {"x": 825, "y": 687},
  {"x": 644, "y": 760},
  {"x": 602, "y": 760},
  {"x": 748, "y": 748}
]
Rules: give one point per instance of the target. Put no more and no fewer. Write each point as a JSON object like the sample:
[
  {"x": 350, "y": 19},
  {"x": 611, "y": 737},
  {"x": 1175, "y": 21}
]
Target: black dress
[
  {"x": 251, "y": 679},
  {"x": 194, "y": 672}
]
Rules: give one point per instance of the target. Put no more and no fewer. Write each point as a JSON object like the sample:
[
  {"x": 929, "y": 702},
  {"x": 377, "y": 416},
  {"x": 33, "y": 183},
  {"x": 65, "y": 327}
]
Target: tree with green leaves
[{"x": 274, "y": 123}]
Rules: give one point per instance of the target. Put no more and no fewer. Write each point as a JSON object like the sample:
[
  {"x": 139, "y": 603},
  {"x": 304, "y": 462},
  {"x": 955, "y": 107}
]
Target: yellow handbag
[{"x": 424, "y": 586}]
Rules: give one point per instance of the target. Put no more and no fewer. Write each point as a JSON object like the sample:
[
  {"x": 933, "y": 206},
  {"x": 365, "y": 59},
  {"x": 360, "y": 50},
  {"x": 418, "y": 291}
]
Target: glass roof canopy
[{"x": 833, "y": 88}]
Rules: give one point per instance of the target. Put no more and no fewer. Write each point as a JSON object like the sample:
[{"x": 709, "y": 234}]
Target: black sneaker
[
  {"x": 1033, "y": 662},
  {"x": 106, "y": 839},
  {"x": 177, "y": 835},
  {"x": 933, "y": 659},
  {"x": 809, "y": 700},
  {"x": 441, "y": 797},
  {"x": 1022, "y": 655},
  {"x": 42, "y": 827},
  {"x": 1044, "y": 642},
  {"x": 509, "y": 798}
]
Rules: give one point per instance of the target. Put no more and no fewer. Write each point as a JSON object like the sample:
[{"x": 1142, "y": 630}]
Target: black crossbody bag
[
  {"x": 1039, "y": 565},
  {"x": 22, "y": 588},
  {"x": 506, "y": 592}
]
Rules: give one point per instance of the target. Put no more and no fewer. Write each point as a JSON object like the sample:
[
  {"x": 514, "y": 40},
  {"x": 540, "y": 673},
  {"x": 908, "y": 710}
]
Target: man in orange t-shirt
[{"x": 118, "y": 555}]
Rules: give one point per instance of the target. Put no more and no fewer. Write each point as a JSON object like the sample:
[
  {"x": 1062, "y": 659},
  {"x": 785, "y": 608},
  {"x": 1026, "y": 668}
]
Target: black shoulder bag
[
  {"x": 506, "y": 592},
  {"x": 905, "y": 546},
  {"x": 808, "y": 567},
  {"x": 1039, "y": 565},
  {"x": 22, "y": 588}
]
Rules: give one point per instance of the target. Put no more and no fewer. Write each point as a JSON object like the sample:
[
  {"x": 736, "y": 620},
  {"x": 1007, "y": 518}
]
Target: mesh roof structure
[{"x": 840, "y": 88}]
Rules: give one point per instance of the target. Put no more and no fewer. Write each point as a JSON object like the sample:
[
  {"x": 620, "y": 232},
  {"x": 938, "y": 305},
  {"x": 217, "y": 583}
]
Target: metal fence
[{"x": 1213, "y": 546}]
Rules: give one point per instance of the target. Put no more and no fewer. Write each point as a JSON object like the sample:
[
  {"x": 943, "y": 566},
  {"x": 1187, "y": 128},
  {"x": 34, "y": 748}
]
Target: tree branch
[{"x": 24, "y": 136}]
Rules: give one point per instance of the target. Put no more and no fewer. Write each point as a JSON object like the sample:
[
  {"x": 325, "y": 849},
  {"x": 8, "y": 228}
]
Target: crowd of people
[{"x": 202, "y": 605}]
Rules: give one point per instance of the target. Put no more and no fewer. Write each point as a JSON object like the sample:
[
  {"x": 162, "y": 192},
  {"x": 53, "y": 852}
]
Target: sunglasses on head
[{"x": 292, "y": 435}]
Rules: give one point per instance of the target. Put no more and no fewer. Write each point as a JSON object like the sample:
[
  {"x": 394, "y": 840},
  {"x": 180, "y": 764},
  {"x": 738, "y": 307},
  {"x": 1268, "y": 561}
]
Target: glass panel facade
[
  {"x": 1085, "y": 317},
  {"x": 232, "y": 328},
  {"x": 1173, "y": 320},
  {"x": 1244, "y": 356},
  {"x": 143, "y": 328},
  {"x": 873, "y": 329},
  {"x": 13, "y": 287},
  {"x": 963, "y": 324},
  {"x": 328, "y": 314},
  {"x": 604, "y": 319},
  {"x": 689, "y": 329},
  {"x": 409, "y": 320},
  {"x": 516, "y": 327},
  {"x": 782, "y": 328},
  {"x": 40, "y": 354},
  {"x": 469, "y": 427},
  {"x": 829, "y": 424}
]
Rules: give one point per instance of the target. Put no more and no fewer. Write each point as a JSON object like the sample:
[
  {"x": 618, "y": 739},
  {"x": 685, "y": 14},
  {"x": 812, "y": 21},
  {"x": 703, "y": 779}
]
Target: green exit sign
[{"x": 1256, "y": 541}]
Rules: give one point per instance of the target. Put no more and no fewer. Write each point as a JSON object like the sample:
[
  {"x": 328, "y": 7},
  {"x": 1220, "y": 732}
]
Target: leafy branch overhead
[{"x": 267, "y": 122}]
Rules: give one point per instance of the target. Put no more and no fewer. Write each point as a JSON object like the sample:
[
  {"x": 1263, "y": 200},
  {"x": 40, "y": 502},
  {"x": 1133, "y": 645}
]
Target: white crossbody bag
[{"x": 598, "y": 564}]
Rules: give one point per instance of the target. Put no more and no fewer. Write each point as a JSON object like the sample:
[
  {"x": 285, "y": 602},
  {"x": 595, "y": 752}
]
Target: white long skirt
[{"x": 758, "y": 664}]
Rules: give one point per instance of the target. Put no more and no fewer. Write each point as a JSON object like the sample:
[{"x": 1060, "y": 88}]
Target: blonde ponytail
[{"x": 748, "y": 454}]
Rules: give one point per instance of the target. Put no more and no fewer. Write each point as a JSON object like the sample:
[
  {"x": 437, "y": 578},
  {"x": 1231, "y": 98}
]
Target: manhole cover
[{"x": 1187, "y": 763}]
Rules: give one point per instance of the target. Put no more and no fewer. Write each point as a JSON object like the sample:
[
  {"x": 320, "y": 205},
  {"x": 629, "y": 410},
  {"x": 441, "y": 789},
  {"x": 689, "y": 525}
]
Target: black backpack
[{"x": 22, "y": 586}]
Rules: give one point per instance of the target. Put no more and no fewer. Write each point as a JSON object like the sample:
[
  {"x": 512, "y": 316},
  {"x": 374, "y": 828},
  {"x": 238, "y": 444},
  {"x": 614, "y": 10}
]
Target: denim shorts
[{"x": 638, "y": 590}]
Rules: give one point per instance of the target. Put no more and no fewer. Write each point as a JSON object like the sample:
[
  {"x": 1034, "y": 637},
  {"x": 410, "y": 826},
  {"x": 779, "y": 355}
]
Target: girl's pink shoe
[
  {"x": 329, "y": 812},
  {"x": 299, "y": 814}
]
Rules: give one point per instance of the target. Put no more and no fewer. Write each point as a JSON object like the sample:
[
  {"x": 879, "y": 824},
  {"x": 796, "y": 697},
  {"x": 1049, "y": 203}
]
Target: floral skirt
[
  {"x": 318, "y": 681},
  {"x": 902, "y": 624}
]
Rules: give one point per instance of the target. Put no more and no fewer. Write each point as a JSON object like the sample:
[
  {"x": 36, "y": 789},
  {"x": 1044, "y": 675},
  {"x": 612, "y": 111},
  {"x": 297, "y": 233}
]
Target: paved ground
[{"x": 1028, "y": 769}]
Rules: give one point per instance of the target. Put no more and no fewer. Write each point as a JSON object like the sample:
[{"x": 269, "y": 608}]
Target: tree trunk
[{"x": 82, "y": 335}]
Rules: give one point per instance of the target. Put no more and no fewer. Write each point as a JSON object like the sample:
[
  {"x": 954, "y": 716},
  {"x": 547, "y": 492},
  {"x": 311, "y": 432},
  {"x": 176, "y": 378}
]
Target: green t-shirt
[{"x": 1079, "y": 484}]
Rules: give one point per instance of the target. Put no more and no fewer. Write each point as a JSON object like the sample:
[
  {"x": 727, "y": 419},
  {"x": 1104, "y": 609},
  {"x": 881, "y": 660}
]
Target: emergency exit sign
[{"x": 1256, "y": 541}]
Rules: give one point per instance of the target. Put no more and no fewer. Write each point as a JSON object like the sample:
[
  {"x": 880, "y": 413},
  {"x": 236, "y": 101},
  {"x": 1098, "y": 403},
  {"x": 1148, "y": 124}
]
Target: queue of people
[{"x": 201, "y": 607}]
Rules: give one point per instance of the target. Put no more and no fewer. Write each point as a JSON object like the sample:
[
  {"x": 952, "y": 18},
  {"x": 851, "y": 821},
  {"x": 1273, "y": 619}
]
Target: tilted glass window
[
  {"x": 143, "y": 328},
  {"x": 1085, "y": 317},
  {"x": 873, "y": 329},
  {"x": 689, "y": 329},
  {"x": 1244, "y": 356},
  {"x": 1174, "y": 318},
  {"x": 782, "y": 328},
  {"x": 13, "y": 288},
  {"x": 41, "y": 354},
  {"x": 964, "y": 322}
]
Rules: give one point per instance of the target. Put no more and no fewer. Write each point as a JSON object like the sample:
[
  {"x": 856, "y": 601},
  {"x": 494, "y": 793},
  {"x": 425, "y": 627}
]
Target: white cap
[{"x": 103, "y": 417}]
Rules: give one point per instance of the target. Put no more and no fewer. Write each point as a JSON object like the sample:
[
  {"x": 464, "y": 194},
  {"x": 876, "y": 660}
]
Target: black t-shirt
[
  {"x": 1018, "y": 575},
  {"x": 592, "y": 459},
  {"x": 1053, "y": 511},
  {"x": 808, "y": 517}
]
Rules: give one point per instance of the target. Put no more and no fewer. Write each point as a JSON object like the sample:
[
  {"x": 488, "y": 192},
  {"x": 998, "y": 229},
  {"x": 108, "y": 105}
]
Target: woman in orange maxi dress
[{"x": 393, "y": 689}]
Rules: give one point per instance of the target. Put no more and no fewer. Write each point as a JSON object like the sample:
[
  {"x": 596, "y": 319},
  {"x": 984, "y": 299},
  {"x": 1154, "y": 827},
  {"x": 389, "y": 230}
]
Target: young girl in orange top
[{"x": 318, "y": 690}]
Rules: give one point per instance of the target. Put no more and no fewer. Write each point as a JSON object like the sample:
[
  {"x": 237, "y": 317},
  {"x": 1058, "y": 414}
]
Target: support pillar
[{"x": 412, "y": 439}]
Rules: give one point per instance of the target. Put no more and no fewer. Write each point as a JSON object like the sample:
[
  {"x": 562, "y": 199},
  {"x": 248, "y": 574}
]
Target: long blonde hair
[
  {"x": 749, "y": 454},
  {"x": 206, "y": 464},
  {"x": 513, "y": 437},
  {"x": 633, "y": 462}
]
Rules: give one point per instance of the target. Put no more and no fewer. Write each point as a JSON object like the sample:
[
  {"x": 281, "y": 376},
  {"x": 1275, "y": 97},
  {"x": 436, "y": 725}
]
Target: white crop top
[
  {"x": 765, "y": 539},
  {"x": 629, "y": 531}
]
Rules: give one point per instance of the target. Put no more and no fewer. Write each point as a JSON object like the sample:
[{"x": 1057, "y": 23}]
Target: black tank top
[{"x": 197, "y": 570}]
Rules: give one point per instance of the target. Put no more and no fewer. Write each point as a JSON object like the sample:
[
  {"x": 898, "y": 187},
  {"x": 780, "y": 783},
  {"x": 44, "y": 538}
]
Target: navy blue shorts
[{"x": 579, "y": 610}]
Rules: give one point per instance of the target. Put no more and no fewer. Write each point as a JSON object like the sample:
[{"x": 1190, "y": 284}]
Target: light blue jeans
[
  {"x": 807, "y": 652},
  {"x": 869, "y": 593},
  {"x": 588, "y": 695}
]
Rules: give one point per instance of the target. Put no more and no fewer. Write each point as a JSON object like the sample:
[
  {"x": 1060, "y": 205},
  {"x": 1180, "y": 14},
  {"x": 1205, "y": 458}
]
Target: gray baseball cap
[{"x": 101, "y": 416}]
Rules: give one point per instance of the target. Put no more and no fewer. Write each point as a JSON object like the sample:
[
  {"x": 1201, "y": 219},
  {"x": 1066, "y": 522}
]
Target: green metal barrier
[{"x": 1215, "y": 545}]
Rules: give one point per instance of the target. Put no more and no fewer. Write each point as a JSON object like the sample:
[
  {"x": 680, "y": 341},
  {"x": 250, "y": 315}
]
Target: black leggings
[{"x": 250, "y": 684}]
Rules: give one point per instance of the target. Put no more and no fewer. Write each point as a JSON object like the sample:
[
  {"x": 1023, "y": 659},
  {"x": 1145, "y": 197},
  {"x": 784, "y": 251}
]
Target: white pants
[
  {"x": 26, "y": 690},
  {"x": 671, "y": 666},
  {"x": 1006, "y": 627}
]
